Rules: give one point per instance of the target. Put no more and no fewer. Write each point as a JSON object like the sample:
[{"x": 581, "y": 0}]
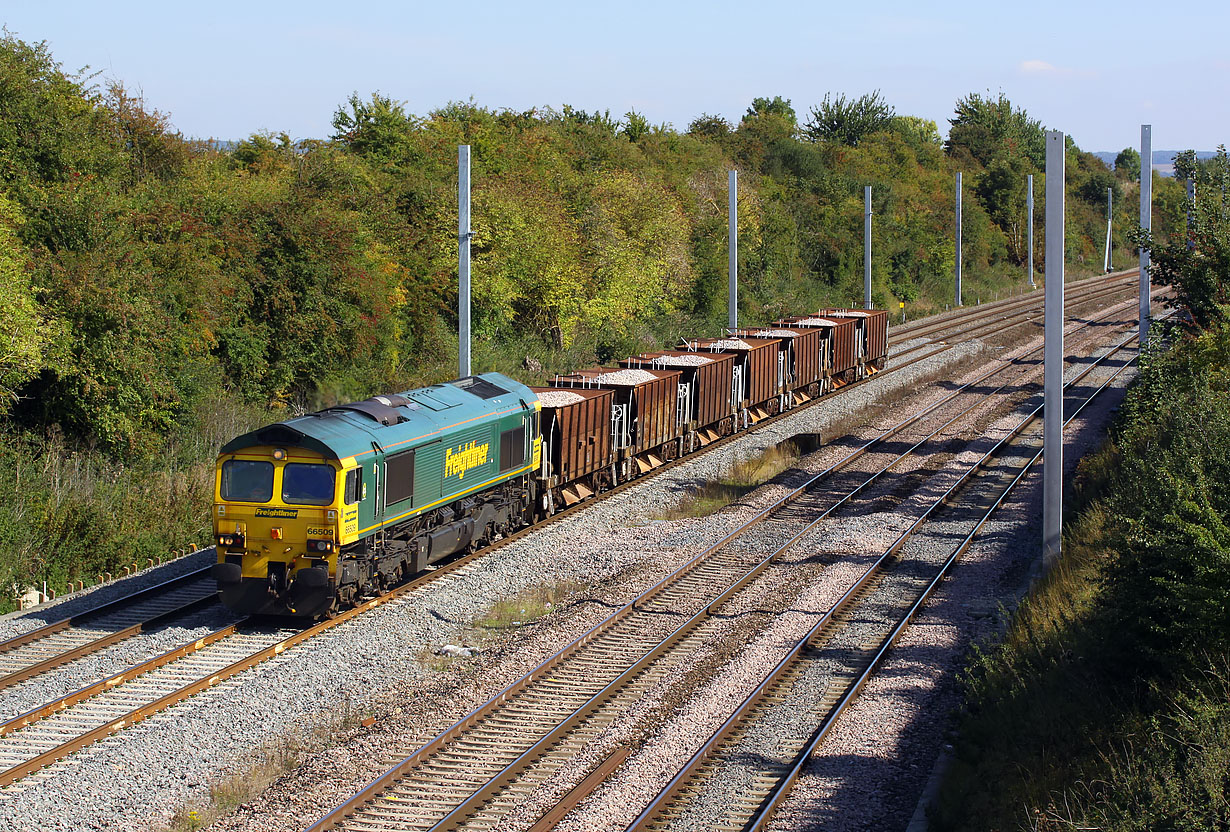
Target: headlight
[{"x": 320, "y": 545}]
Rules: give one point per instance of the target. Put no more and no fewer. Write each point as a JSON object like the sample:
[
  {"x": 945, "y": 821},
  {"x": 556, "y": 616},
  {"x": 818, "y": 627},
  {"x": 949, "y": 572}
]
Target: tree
[
  {"x": 1001, "y": 187},
  {"x": 983, "y": 127},
  {"x": 918, "y": 131},
  {"x": 710, "y": 127},
  {"x": 635, "y": 126},
  {"x": 1127, "y": 164},
  {"x": 25, "y": 333},
  {"x": 777, "y": 107},
  {"x": 264, "y": 153},
  {"x": 372, "y": 128},
  {"x": 848, "y": 121},
  {"x": 1198, "y": 268}
]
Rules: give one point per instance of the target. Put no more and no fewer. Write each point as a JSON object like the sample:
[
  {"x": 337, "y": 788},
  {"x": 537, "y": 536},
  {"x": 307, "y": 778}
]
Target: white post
[
  {"x": 1146, "y": 222},
  {"x": 958, "y": 293},
  {"x": 1052, "y": 374},
  {"x": 733, "y": 268},
  {"x": 1110, "y": 200},
  {"x": 463, "y": 260},
  {"x": 1029, "y": 209},
  {"x": 1191, "y": 207},
  {"x": 867, "y": 247}
]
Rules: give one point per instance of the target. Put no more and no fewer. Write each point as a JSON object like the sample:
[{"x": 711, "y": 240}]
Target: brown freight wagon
[
  {"x": 706, "y": 402},
  {"x": 844, "y": 345},
  {"x": 874, "y": 326},
  {"x": 644, "y": 416},
  {"x": 762, "y": 367},
  {"x": 806, "y": 359},
  {"x": 577, "y": 457}
]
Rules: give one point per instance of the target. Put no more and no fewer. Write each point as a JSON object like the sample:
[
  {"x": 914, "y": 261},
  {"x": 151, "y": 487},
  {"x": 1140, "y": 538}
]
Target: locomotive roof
[{"x": 392, "y": 422}]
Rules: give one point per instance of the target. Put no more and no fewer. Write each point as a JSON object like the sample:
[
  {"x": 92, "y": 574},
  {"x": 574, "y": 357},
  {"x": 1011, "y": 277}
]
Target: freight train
[{"x": 315, "y": 513}]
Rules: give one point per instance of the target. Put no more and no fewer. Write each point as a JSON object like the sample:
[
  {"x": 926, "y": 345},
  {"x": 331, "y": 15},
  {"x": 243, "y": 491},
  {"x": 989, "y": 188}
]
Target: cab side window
[{"x": 354, "y": 486}]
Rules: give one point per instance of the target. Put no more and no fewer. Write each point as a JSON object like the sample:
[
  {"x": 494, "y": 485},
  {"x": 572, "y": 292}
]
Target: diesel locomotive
[
  {"x": 317, "y": 512},
  {"x": 313, "y": 513}
]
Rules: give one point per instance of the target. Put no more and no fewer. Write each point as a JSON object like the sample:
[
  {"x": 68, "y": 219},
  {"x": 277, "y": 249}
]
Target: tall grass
[
  {"x": 1106, "y": 704},
  {"x": 75, "y": 514}
]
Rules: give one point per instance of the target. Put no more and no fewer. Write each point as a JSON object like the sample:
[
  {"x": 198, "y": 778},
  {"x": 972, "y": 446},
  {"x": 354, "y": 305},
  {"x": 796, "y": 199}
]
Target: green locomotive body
[{"x": 314, "y": 513}]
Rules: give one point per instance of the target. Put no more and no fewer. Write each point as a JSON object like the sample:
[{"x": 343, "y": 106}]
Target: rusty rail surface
[
  {"x": 1006, "y": 315},
  {"x": 60, "y": 704},
  {"x": 759, "y": 808},
  {"x": 138, "y": 714},
  {"x": 471, "y": 794},
  {"x": 1074, "y": 292},
  {"x": 85, "y": 633}
]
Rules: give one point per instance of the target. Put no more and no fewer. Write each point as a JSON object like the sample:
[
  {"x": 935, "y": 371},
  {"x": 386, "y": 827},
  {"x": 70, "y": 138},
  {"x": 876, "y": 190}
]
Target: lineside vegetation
[
  {"x": 1107, "y": 703},
  {"x": 160, "y": 294}
]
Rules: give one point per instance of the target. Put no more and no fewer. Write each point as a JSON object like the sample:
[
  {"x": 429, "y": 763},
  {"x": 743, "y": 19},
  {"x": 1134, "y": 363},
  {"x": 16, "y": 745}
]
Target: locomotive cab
[{"x": 281, "y": 514}]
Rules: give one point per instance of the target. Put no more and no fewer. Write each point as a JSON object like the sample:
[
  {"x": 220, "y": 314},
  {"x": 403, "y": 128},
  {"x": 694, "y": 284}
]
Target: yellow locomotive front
[{"x": 278, "y": 523}]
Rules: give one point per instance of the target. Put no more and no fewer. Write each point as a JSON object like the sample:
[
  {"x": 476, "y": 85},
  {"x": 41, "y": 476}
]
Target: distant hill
[{"x": 1163, "y": 160}]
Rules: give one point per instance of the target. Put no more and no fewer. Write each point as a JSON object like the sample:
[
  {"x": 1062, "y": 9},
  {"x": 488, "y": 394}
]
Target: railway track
[
  {"x": 55, "y": 644},
  {"x": 1005, "y": 316},
  {"x": 1074, "y": 291},
  {"x": 743, "y": 772},
  {"x": 39, "y": 738},
  {"x": 476, "y": 772}
]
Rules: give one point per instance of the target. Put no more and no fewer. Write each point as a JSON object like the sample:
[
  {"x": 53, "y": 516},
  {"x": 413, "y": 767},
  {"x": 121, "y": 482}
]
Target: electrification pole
[
  {"x": 958, "y": 293},
  {"x": 733, "y": 268},
  {"x": 463, "y": 260},
  {"x": 1110, "y": 202},
  {"x": 867, "y": 247},
  {"x": 1029, "y": 209},
  {"x": 1146, "y": 223},
  {"x": 1191, "y": 206},
  {"x": 1052, "y": 374}
]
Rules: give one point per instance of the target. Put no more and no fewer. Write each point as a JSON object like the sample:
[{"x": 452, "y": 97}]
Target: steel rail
[
  {"x": 999, "y": 323},
  {"x": 957, "y": 316},
  {"x": 173, "y": 655},
  {"x": 739, "y": 721},
  {"x": 975, "y": 313},
  {"x": 369, "y": 793},
  {"x": 784, "y": 788},
  {"x": 137, "y": 714},
  {"x": 102, "y": 609},
  {"x": 107, "y": 640},
  {"x": 55, "y": 706}
]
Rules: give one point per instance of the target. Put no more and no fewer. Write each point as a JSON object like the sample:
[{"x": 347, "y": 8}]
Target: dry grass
[
  {"x": 268, "y": 763},
  {"x": 746, "y": 476},
  {"x": 526, "y": 606}
]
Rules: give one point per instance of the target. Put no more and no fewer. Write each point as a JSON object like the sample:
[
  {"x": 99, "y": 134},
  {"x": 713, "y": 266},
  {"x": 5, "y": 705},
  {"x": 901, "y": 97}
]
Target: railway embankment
[{"x": 1106, "y": 703}]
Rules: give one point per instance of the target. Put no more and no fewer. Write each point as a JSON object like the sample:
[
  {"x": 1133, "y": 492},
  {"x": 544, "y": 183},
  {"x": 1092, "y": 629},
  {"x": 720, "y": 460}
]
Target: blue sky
[{"x": 228, "y": 69}]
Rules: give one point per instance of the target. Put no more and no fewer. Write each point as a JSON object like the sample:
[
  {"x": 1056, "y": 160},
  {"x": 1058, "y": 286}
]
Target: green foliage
[
  {"x": 49, "y": 122},
  {"x": 1002, "y": 190},
  {"x": 919, "y": 132},
  {"x": 1198, "y": 267},
  {"x": 1105, "y": 705},
  {"x": 26, "y": 333},
  {"x": 776, "y": 107},
  {"x": 1127, "y": 164},
  {"x": 985, "y": 127},
  {"x": 1172, "y": 491},
  {"x": 635, "y": 126},
  {"x": 848, "y": 121},
  {"x": 709, "y": 127},
  {"x": 1089, "y": 179},
  {"x": 145, "y": 279},
  {"x": 377, "y": 128}
]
